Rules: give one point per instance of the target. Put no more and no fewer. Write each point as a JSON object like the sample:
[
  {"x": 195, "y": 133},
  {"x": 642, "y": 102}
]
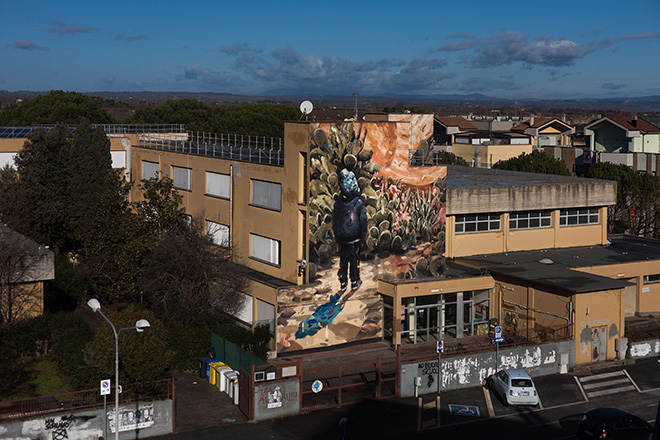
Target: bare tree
[
  {"x": 190, "y": 280},
  {"x": 24, "y": 265}
]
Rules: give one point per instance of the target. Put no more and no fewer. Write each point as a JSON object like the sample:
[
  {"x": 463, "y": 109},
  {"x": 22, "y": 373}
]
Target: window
[
  {"x": 265, "y": 249},
  {"x": 218, "y": 232},
  {"x": 266, "y": 194},
  {"x": 149, "y": 170},
  {"x": 218, "y": 185},
  {"x": 530, "y": 219},
  {"x": 578, "y": 216},
  {"x": 477, "y": 223},
  {"x": 648, "y": 279},
  {"x": 182, "y": 178}
]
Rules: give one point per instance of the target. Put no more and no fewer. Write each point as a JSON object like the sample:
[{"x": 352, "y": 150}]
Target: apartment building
[{"x": 446, "y": 249}]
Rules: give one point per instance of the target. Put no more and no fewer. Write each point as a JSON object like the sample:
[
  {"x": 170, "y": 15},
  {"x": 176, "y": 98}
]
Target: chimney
[
  {"x": 634, "y": 121},
  {"x": 531, "y": 121}
]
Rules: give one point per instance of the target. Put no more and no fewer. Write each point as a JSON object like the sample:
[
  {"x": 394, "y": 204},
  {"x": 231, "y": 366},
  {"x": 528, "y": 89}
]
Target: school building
[{"x": 447, "y": 248}]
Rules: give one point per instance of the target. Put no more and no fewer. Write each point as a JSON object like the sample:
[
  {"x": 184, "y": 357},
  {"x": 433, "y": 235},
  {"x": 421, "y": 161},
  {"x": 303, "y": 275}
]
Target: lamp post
[{"x": 140, "y": 325}]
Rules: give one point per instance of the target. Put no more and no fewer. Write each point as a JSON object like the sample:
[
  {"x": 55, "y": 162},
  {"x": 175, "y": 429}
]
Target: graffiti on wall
[
  {"x": 371, "y": 216},
  {"x": 131, "y": 419},
  {"x": 468, "y": 370},
  {"x": 59, "y": 426},
  {"x": 276, "y": 396}
]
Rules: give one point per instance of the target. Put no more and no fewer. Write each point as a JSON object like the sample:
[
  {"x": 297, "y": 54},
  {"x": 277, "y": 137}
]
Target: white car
[{"x": 514, "y": 386}]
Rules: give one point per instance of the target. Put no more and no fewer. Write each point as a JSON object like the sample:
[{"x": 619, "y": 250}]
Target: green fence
[{"x": 233, "y": 355}]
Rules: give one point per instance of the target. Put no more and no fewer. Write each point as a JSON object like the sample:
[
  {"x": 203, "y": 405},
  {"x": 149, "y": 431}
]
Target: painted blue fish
[{"x": 322, "y": 317}]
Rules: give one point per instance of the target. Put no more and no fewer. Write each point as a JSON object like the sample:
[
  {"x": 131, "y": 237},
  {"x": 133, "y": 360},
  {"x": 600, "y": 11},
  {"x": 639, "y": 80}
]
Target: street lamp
[{"x": 140, "y": 325}]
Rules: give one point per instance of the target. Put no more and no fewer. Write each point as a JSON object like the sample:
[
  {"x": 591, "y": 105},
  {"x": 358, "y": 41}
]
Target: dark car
[{"x": 613, "y": 423}]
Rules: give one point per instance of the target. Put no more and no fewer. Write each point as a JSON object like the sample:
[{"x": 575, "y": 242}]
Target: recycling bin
[{"x": 202, "y": 366}]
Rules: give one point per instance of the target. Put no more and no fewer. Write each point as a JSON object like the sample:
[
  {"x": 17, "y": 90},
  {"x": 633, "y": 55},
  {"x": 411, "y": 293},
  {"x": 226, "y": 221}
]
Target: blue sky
[{"x": 505, "y": 49}]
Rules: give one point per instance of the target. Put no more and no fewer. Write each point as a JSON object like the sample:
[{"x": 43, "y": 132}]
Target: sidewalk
[{"x": 200, "y": 404}]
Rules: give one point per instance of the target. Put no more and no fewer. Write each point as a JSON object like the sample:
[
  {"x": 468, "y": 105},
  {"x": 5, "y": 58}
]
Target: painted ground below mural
[{"x": 319, "y": 315}]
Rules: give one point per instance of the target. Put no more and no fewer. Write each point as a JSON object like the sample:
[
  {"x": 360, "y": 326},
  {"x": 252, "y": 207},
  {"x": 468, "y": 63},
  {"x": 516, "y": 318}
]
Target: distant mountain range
[{"x": 635, "y": 104}]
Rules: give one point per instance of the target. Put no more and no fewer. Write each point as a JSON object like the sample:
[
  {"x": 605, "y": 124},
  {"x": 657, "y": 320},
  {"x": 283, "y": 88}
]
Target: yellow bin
[{"x": 213, "y": 372}]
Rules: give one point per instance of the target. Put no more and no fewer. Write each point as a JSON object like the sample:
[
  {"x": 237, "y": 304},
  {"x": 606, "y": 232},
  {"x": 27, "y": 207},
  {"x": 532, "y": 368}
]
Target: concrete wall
[
  {"x": 644, "y": 349},
  {"x": 472, "y": 370},
  {"x": 87, "y": 425},
  {"x": 276, "y": 399}
]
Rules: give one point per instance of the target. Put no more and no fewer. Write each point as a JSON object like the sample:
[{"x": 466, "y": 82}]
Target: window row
[
  {"x": 261, "y": 248},
  {"x": 525, "y": 220},
  {"x": 262, "y": 193}
]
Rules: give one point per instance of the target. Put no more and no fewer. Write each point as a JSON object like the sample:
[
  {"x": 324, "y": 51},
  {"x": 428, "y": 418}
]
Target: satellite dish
[{"x": 306, "y": 107}]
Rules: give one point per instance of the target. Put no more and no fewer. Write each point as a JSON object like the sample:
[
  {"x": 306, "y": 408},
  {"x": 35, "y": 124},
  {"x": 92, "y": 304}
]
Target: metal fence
[
  {"x": 347, "y": 384},
  {"x": 16, "y": 409},
  {"x": 111, "y": 129},
  {"x": 244, "y": 148}
]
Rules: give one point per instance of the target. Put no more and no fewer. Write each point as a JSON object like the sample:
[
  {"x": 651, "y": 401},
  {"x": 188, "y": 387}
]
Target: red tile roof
[
  {"x": 630, "y": 124},
  {"x": 455, "y": 121}
]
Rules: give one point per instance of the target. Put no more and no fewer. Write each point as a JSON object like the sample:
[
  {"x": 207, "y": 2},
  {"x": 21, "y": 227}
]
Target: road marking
[
  {"x": 604, "y": 384},
  {"x": 611, "y": 391},
  {"x": 577, "y": 380},
  {"x": 489, "y": 403},
  {"x": 600, "y": 376},
  {"x": 632, "y": 381}
]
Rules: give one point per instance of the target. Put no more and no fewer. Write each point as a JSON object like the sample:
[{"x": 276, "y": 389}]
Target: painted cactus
[{"x": 399, "y": 217}]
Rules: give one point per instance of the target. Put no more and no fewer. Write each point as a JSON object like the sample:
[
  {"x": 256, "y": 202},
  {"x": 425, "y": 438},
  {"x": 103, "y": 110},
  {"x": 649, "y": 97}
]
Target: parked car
[
  {"x": 613, "y": 423},
  {"x": 514, "y": 386}
]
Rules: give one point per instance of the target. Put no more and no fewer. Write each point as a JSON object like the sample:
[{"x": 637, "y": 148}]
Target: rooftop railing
[
  {"x": 244, "y": 148},
  {"x": 24, "y": 132}
]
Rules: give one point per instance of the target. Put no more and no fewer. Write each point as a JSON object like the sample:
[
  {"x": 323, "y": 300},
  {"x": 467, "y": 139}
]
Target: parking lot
[{"x": 606, "y": 387}]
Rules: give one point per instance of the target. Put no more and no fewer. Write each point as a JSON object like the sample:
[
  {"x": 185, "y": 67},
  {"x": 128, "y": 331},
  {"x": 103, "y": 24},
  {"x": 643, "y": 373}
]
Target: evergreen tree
[
  {"x": 535, "y": 162},
  {"x": 57, "y": 107},
  {"x": 41, "y": 188},
  {"x": 88, "y": 181}
]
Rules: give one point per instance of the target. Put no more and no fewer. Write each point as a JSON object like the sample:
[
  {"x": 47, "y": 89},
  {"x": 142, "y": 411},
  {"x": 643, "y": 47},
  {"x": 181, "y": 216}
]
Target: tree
[
  {"x": 637, "y": 209},
  {"x": 190, "y": 280},
  {"x": 60, "y": 185},
  {"x": 535, "y": 162},
  {"x": 247, "y": 119},
  {"x": 447, "y": 158},
  {"x": 57, "y": 107},
  {"x": 40, "y": 188},
  {"x": 23, "y": 265},
  {"x": 143, "y": 356}
]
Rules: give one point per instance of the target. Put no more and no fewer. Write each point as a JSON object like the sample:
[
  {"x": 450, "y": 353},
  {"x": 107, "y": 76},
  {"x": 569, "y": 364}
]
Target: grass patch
[{"x": 44, "y": 381}]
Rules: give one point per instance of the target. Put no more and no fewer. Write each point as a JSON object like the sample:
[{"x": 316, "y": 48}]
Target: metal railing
[
  {"x": 244, "y": 148},
  {"x": 111, "y": 129},
  {"x": 16, "y": 409}
]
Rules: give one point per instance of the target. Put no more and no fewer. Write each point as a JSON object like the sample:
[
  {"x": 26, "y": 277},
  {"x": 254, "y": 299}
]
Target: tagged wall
[
  {"x": 645, "y": 349},
  {"x": 276, "y": 399},
  {"x": 472, "y": 370},
  {"x": 139, "y": 420}
]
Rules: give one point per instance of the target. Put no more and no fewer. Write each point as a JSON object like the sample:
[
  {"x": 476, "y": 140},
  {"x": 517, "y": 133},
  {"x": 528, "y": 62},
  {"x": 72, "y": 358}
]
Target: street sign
[
  {"x": 317, "y": 386},
  {"x": 105, "y": 387},
  {"x": 498, "y": 332},
  {"x": 440, "y": 347},
  {"x": 497, "y": 340}
]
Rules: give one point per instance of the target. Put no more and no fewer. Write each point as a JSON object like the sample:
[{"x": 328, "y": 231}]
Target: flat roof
[
  {"x": 557, "y": 274},
  {"x": 461, "y": 176}
]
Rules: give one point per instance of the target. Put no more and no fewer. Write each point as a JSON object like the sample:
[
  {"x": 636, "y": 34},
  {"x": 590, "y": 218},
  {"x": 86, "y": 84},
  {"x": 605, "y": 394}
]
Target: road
[{"x": 468, "y": 413}]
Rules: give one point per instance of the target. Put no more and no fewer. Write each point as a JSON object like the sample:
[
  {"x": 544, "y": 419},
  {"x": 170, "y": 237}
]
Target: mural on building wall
[{"x": 371, "y": 216}]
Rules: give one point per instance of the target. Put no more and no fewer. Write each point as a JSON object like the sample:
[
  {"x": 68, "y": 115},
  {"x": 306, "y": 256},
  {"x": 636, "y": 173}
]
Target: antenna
[{"x": 306, "y": 108}]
